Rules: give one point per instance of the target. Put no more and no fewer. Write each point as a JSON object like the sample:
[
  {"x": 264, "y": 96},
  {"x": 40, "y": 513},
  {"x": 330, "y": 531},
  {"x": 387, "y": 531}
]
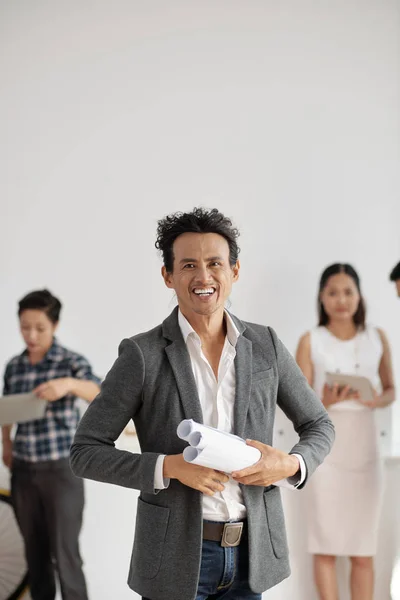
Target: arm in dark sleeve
[
  {"x": 302, "y": 406},
  {"x": 6, "y": 385},
  {"x": 93, "y": 452},
  {"x": 6, "y": 429},
  {"x": 81, "y": 369}
]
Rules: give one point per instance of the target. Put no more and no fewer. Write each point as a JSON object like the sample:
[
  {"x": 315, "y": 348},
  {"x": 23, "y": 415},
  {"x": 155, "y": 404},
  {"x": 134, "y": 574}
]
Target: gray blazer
[{"x": 152, "y": 383}]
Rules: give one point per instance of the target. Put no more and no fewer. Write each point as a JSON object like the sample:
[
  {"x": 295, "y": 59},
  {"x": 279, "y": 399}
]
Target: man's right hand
[
  {"x": 207, "y": 481},
  {"x": 7, "y": 453}
]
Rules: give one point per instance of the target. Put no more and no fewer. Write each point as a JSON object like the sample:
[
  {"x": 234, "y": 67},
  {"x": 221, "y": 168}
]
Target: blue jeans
[{"x": 224, "y": 573}]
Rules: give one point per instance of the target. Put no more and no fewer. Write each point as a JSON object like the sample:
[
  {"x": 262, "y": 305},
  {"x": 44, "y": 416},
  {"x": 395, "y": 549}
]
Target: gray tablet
[
  {"x": 356, "y": 382},
  {"x": 19, "y": 408}
]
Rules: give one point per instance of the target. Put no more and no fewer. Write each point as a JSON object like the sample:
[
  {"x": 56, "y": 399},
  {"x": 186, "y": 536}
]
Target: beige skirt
[{"x": 344, "y": 495}]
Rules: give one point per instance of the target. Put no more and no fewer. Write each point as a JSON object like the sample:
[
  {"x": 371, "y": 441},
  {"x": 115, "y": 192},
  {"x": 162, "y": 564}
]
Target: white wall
[{"x": 284, "y": 115}]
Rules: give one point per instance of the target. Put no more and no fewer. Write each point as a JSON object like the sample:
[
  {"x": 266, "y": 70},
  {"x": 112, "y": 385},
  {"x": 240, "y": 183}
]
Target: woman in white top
[{"x": 344, "y": 493}]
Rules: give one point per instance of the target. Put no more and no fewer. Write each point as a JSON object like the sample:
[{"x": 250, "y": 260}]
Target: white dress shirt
[{"x": 217, "y": 399}]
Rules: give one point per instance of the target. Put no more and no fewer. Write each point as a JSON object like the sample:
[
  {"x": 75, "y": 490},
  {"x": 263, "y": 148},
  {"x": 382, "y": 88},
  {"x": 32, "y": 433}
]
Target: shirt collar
[
  {"x": 54, "y": 353},
  {"x": 187, "y": 330}
]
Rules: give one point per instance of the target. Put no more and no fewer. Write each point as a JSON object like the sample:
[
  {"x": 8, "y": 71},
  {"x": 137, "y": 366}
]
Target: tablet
[
  {"x": 19, "y": 408},
  {"x": 356, "y": 382}
]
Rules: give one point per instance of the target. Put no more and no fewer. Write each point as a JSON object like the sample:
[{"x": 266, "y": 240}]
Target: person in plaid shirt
[{"x": 47, "y": 498}]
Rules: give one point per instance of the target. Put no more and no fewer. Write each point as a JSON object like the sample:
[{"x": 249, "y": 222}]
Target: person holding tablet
[
  {"x": 344, "y": 495},
  {"x": 47, "y": 498}
]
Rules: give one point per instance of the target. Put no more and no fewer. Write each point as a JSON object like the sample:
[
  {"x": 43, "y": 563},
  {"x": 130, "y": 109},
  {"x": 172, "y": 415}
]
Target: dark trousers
[
  {"x": 224, "y": 573},
  {"x": 48, "y": 503}
]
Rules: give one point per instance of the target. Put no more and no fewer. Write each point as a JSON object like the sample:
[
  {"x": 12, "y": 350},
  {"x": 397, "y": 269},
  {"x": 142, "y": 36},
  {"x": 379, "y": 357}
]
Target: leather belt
[{"x": 228, "y": 534}]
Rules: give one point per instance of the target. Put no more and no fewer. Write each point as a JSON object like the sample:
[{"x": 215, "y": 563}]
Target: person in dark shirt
[{"x": 47, "y": 498}]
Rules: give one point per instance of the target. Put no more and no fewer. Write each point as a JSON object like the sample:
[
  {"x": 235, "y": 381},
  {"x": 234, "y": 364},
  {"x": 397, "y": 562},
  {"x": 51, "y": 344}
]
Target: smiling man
[{"x": 199, "y": 533}]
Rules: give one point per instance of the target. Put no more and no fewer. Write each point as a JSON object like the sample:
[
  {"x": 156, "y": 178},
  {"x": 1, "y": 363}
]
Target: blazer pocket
[
  {"x": 150, "y": 531},
  {"x": 276, "y": 521},
  {"x": 262, "y": 375}
]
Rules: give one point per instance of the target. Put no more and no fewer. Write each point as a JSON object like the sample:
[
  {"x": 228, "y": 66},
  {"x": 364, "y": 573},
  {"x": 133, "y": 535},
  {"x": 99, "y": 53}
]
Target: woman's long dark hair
[{"x": 359, "y": 316}]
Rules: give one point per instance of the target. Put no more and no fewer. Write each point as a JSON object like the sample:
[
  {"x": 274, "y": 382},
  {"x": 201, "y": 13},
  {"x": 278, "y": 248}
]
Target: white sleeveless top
[
  {"x": 359, "y": 356},
  {"x": 344, "y": 494}
]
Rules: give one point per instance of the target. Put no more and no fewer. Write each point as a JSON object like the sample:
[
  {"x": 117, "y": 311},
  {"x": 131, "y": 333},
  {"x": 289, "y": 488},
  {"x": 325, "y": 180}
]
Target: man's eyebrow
[
  {"x": 193, "y": 260},
  {"x": 187, "y": 260},
  {"x": 214, "y": 258}
]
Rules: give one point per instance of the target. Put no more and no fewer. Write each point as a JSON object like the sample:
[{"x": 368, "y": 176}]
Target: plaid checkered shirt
[{"x": 48, "y": 438}]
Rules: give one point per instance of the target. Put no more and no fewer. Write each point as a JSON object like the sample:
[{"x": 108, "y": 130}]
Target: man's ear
[
  {"x": 235, "y": 271},
  {"x": 167, "y": 277}
]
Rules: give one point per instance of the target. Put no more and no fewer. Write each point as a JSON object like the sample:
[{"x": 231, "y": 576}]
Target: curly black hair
[{"x": 199, "y": 220}]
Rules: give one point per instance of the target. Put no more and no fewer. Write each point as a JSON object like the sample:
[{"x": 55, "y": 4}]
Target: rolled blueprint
[
  {"x": 216, "y": 449},
  {"x": 188, "y": 426}
]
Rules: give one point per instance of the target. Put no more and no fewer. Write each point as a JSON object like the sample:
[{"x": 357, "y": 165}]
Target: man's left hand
[
  {"x": 273, "y": 466},
  {"x": 54, "y": 389}
]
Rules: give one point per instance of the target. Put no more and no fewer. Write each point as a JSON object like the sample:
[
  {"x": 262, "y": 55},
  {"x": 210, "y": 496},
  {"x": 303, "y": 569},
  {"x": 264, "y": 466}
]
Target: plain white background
[{"x": 283, "y": 115}]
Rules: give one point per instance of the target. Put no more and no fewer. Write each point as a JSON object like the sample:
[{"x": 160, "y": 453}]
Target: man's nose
[
  {"x": 203, "y": 274},
  {"x": 32, "y": 335}
]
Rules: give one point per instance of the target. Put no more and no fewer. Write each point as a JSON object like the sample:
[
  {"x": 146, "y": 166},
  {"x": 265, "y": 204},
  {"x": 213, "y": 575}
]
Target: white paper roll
[
  {"x": 185, "y": 428},
  {"x": 216, "y": 449}
]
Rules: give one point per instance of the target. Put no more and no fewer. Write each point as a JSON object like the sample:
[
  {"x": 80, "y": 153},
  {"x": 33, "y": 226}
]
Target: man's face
[
  {"x": 202, "y": 276},
  {"x": 397, "y": 282},
  {"x": 37, "y": 331}
]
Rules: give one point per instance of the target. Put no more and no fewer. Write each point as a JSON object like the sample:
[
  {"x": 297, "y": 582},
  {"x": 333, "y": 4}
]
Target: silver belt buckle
[{"x": 231, "y": 535}]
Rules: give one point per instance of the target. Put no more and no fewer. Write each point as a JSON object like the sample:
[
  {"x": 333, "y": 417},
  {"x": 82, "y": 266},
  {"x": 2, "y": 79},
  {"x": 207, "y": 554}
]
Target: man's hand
[
  {"x": 273, "y": 466},
  {"x": 7, "y": 453},
  {"x": 207, "y": 481},
  {"x": 54, "y": 389}
]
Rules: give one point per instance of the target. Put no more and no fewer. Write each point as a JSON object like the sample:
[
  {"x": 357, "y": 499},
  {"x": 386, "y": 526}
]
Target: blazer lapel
[
  {"x": 243, "y": 368},
  {"x": 179, "y": 359}
]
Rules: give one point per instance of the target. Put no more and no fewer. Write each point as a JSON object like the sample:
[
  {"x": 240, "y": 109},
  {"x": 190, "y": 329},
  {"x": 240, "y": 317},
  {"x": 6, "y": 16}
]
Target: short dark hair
[
  {"x": 41, "y": 300},
  {"x": 200, "y": 220},
  {"x": 395, "y": 274},
  {"x": 360, "y": 315}
]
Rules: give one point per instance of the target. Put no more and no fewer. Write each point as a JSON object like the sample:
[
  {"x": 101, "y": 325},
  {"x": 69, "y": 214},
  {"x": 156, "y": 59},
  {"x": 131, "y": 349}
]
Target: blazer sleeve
[
  {"x": 302, "y": 406},
  {"x": 93, "y": 452}
]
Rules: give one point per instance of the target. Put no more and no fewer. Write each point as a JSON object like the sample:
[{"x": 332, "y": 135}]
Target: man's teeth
[{"x": 204, "y": 291}]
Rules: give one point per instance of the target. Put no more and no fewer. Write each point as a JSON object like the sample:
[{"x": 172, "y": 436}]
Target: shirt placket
[
  {"x": 219, "y": 420},
  {"x": 213, "y": 386},
  {"x": 225, "y": 418},
  {"x": 224, "y": 412},
  {"x": 222, "y": 417}
]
